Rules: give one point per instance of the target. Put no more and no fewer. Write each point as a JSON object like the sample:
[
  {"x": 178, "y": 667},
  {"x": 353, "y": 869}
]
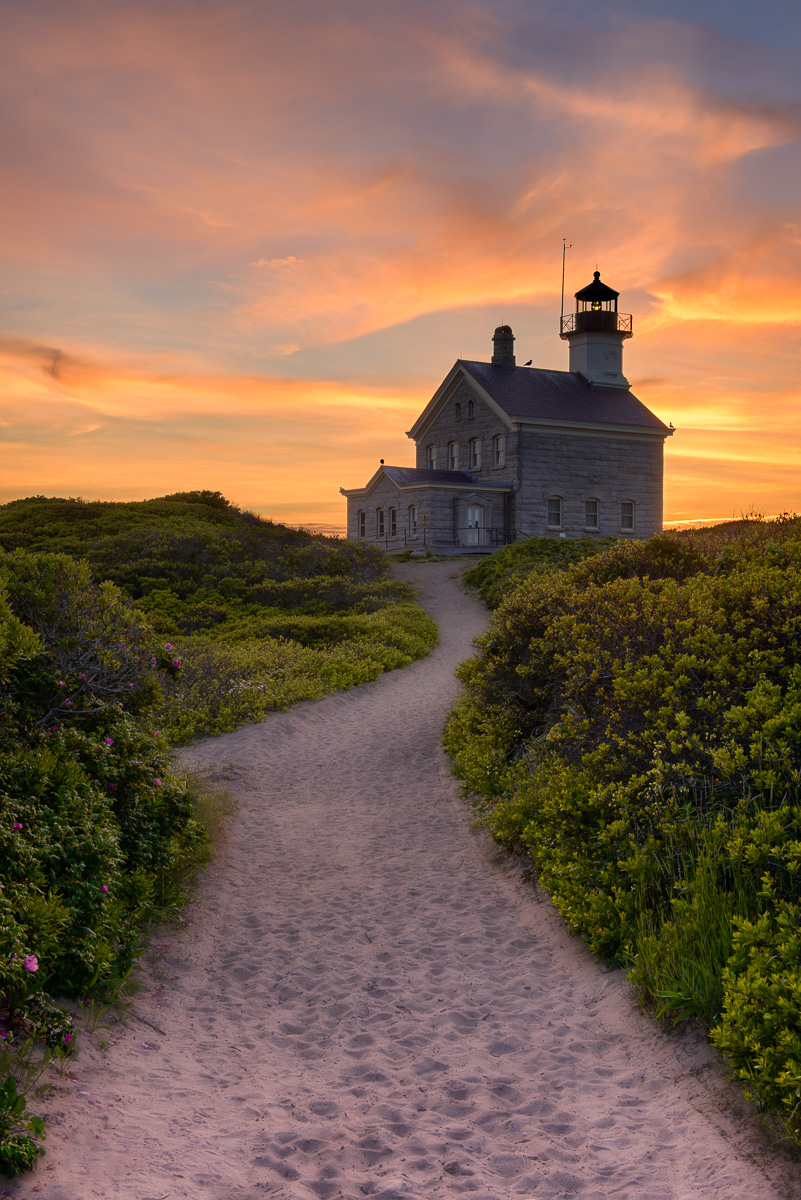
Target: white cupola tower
[{"x": 595, "y": 332}]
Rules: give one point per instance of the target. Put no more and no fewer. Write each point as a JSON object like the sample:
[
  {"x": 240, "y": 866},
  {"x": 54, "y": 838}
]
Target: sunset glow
[{"x": 243, "y": 244}]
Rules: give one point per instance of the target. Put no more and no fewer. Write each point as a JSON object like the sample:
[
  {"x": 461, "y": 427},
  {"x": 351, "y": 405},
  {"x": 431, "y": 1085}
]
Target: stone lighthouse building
[{"x": 506, "y": 451}]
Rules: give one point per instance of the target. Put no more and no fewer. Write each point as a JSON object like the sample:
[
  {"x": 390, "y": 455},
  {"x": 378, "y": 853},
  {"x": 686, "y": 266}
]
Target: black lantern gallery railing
[{"x": 593, "y": 321}]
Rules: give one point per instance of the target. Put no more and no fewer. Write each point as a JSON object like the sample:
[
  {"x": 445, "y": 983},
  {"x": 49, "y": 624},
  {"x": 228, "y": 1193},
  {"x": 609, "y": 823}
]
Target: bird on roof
[{"x": 528, "y": 364}]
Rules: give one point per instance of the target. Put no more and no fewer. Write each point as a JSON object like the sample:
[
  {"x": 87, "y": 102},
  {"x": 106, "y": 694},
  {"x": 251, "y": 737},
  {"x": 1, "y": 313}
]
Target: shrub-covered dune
[
  {"x": 165, "y": 620},
  {"x": 633, "y": 722},
  {"x": 260, "y": 615}
]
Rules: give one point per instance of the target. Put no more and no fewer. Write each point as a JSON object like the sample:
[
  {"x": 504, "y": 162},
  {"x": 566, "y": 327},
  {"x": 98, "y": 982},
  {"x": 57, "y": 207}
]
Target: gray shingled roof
[
  {"x": 406, "y": 476},
  {"x": 561, "y": 396}
]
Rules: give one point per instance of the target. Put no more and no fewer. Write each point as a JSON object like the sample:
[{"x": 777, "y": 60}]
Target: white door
[{"x": 474, "y": 520}]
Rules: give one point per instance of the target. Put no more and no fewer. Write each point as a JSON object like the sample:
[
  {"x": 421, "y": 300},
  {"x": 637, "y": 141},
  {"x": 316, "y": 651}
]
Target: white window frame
[
  {"x": 412, "y": 518},
  {"x": 588, "y": 524},
  {"x": 379, "y": 522},
  {"x": 393, "y": 522},
  {"x": 431, "y": 458},
  {"x": 361, "y": 523},
  {"x": 453, "y": 456},
  {"x": 475, "y": 454},
  {"x": 627, "y": 519},
  {"x": 555, "y": 500},
  {"x": 471, "y": 408},
  {"x": 457, "y": 411},
  {"x": 499, "y": 450}
]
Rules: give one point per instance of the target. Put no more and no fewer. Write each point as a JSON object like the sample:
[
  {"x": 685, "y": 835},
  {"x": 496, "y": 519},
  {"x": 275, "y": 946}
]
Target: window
[
  {"x": 554, "y": 512},
  {"x": 379, "y": 518},
  {"x": 627, "y": 514},
  {"x": 470, "y": 412},
  {"x": 590, "y": 514},
  {"x": 431, "y": 458},
  {"x": 453, "y": 456},
  {"x": 475, "y": 453},
  {"x": 457, "y": 412},
  {"x": 499, "y": 450},
  {"x": 412, "y": 518},
  {"x": 393, "y": 522},
  {"x": 362, "y": 524}
]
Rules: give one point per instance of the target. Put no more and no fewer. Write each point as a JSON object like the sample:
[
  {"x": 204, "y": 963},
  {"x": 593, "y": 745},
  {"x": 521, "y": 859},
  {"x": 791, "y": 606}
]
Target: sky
[{"x": 242, "y": 243}]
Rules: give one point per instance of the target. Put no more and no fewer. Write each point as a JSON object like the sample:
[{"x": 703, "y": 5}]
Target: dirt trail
[{"x": 369, "y": 1002}]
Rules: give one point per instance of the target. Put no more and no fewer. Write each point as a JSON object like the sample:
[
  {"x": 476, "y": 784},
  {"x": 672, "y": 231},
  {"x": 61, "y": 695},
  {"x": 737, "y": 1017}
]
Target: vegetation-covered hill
[
  {"x": 124, "y": 627},
  {"x": 259, "y": 615},
  {"x": 633, "y": 722}
]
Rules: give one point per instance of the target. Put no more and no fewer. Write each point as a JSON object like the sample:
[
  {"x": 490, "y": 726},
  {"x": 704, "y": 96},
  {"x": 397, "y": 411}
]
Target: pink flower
[
  {"x": 68, "y": 1038},
  {"x": 17, "y": 826},
  {"x": 168, "y": 645},
  {"x": 157, "y": 782},
  {"x": 156, "y": 733},
  {"x": 31, "y": 963},
  {"x": 104, "y": 887},
  {"x": 130, "y": 685},
  {"x": 109, "y": 741},
  {"x": 176, "y": 662},
  {"x": 153, "y": 662},
  {"x": 83, "y": 676},
  {"x": 68, "y": 704},
  {"x": 61, "y": 683}
]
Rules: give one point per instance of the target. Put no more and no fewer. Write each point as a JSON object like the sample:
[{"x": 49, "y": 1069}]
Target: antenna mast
[{"x": 565, "y": 249}]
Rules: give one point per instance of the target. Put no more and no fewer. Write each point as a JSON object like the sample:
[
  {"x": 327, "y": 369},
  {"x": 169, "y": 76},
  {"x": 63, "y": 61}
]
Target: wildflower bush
[
  {"x": 633, "y": 721},
  {"x": 260, "y": 616},
  {"x": 96, "y": 833}
]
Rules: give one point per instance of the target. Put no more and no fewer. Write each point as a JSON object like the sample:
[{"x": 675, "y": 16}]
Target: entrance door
[{"x": 475, "y": 517}]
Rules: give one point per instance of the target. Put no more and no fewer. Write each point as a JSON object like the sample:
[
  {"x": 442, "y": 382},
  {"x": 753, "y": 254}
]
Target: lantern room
[{"x": 596, "y": 310}]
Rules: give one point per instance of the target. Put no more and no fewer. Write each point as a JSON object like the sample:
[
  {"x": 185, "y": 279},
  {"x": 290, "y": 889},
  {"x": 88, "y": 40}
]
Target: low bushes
[
  {"x": 96, "y": 833},
  {"x": 633, "y": 722},
  {"x": 261, "y": 616}
]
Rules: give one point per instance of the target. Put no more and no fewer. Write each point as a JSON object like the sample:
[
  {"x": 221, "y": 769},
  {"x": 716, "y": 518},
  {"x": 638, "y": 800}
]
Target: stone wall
[
  {"x": 441, "y": 515},
  {"x": 484, "y": 425},
  {"x": 578, "y": 468}
]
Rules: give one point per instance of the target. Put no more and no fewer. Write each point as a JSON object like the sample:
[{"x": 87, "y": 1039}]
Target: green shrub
[{"x": 632, "y": 721}]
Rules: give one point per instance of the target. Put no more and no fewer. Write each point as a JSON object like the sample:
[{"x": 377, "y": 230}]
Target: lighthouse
[{"x": 595, "y": 333}]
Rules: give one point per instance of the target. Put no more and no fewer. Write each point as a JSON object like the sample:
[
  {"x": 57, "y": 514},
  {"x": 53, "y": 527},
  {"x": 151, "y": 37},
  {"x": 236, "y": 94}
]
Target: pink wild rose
[{"x": 31, "y": 963}]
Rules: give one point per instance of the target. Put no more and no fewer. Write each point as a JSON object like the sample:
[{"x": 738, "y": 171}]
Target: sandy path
[{"x": 369, "y": 1002}]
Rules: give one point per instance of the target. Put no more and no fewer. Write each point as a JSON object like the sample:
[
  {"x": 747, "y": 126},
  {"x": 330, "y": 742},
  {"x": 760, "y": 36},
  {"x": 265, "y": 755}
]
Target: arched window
[
  {"x": 393, "y": 522},
  {"x": 499, "y": 450},
  {"x": 475, "y": 454},
  {"x": 554, "y": 512},
  {"x": 431, "y": 458},
  {"x": 591, "y": 514},
  {"x": 627, "y": 515},
  {"x": 412, "y": 518},
  {"x": 362, "y": 523},
  {"x": 379, "y": 521},
  {"x": 453, "y": 456}
]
